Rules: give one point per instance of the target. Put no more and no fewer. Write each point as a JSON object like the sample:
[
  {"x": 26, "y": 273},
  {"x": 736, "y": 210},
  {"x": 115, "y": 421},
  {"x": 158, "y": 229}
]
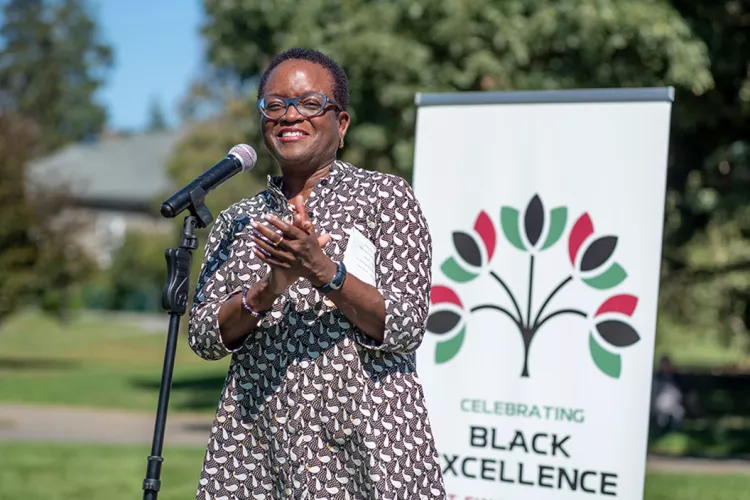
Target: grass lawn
[
  {"x": 107, "y": 361},
  {"x": 72, "y": 472},
  {"x": 102, "y": 361},
  {"x": 696, "y": 487},
  {"x": 68, "y": 472}
]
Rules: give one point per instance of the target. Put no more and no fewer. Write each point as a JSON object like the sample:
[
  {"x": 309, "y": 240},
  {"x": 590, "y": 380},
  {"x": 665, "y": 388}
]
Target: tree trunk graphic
[
  {"x": 529, "y": 328},
  {"x": 528, "y": 335}
]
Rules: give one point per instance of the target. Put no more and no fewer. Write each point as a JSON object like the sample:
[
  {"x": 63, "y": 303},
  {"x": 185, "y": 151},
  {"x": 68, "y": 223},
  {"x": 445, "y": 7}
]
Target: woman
[{"x": 322, "y": 398}]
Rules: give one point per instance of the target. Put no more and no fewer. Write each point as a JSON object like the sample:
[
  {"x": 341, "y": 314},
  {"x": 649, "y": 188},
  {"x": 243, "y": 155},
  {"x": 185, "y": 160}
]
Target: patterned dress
[{"x": 311, "y": 407}]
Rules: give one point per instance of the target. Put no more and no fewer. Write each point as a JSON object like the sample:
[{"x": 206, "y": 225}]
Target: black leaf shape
[
  {"x": 467, "y": 248},
  {"x": 598, "y": 252},
  {"x": 534, "y": 220},
  {"x": 441, "y": 322},
  {"x": 617, "y": 333}
]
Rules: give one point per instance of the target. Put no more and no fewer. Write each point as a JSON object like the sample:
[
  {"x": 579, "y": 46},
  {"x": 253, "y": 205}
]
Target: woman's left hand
[{"x": 298, "y": 248}]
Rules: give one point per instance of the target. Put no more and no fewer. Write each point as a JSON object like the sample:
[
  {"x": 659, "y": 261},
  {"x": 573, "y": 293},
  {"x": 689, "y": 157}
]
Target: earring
[{"x": 341, "y": 143}]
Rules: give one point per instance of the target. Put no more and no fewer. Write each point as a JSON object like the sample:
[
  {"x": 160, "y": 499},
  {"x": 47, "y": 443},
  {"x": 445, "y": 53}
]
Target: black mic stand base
[{"x": 174, "y": 301}]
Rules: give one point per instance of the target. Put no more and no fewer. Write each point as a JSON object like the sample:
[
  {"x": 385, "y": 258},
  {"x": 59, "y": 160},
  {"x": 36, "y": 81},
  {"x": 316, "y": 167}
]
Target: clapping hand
[{"x": 295, "y": 250}]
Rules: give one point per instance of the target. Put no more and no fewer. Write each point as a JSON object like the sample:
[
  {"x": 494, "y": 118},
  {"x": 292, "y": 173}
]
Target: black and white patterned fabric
[{"x": 311, "y": 407}]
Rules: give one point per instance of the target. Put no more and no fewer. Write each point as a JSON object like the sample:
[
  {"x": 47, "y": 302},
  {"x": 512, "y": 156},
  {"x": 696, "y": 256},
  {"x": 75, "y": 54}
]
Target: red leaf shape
[
  {"x": 582, "y": 229},
  {"x": 440, "y": 294},
  {"x": 623, "y": 304},
  {"x": 486, "y": 230}
]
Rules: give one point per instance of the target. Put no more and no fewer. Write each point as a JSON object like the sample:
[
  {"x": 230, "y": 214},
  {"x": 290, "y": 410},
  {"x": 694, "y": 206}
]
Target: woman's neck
[{"x": 294, "y": 184}]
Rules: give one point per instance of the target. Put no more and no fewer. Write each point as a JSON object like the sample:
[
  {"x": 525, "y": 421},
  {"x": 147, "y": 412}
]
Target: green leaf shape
[
  {"x": 557, "y": 219},
  {"x": 608, "y": 279},
  {"x": 509, "y": 223},
  {"x": 454, "y": 271},
  {"x": 609, "y": 363},
  {"x": 447, "y": 350}
]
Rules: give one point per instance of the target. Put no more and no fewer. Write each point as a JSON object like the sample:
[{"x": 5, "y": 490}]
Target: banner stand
[{"x": 546, "y": 212}]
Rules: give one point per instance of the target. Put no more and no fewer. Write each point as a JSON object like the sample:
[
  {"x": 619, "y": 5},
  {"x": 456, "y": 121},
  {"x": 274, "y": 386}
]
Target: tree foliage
[
  {"x": 395, "y": 48},
  {"x": 135, "y": 279},
  {"x": 707, "y": 255},
  {"x": 52, "y": 64},
  {"x": 39, "y": 260}
]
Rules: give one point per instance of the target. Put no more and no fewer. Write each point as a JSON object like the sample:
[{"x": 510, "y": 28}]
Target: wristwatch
[{"x": 338, "y": 279}]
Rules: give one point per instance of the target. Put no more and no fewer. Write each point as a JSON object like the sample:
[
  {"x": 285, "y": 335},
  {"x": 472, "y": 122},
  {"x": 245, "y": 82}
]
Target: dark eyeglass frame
[{"x": 292, "y": 101}]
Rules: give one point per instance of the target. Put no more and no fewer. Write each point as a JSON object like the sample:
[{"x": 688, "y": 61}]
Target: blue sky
[{"x": 157, "y": 52}]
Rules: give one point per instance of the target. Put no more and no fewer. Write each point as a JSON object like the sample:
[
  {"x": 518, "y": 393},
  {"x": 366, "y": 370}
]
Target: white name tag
[{"x": 359, "y": 257}]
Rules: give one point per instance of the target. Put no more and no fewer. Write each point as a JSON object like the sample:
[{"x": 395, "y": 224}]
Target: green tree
[
  {"x": 393, "y": 49},
  {"x": 157, "y": 122},
  {"x": 706, "y": 247},
  {"x": 18, "y": 254},
  {"x": 138, "y": 272},
  {"x": 51, "y": 65},
  {"x": 39, "y": 261}
]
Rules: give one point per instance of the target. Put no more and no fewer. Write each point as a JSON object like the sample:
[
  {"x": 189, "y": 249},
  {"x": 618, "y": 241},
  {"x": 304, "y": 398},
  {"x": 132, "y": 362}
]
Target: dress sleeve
[
  {"x": 403, "y": 266},
  {"x": 212, "y": 289}
]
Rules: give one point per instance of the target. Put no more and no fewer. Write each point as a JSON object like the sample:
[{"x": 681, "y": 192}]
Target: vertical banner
[{"x": 546, "y": 212}]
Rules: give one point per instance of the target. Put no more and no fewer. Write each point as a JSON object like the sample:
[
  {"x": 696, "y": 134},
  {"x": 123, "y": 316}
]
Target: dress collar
[{"x": 324, "y": 185}]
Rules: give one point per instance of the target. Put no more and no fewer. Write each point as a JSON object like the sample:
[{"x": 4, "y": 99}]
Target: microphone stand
[{"x": 174, "y": 300}]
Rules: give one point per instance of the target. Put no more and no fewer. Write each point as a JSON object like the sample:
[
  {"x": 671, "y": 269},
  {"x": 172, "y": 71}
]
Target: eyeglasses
[{"x": 308, "y": 104}]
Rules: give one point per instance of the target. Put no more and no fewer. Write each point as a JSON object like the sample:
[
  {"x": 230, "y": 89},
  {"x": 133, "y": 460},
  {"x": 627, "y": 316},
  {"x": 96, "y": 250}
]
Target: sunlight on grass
[
  {"x": 67, "y": 472},
  {"x": 115, "y": 361},
  {"x": 101, "y": 360},
  {"x": 696, "y": 487}
]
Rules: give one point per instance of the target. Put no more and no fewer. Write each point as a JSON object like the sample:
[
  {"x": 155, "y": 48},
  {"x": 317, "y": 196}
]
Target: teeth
[{"x": 291, "y": 134}]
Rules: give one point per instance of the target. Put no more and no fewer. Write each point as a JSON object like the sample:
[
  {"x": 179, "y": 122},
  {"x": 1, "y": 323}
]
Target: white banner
[{"x": 546, "y": 213}]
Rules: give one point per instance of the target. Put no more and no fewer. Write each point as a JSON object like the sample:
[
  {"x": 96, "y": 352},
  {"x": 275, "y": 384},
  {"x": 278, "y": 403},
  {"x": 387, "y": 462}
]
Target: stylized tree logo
[{"x": 591, "y": 263}]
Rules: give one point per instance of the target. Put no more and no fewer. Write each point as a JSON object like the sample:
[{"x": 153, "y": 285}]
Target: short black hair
[{"x": 340, "y": 81}]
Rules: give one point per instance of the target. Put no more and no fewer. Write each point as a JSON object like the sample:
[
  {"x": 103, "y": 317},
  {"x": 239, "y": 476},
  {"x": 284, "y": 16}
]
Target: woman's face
[{"x": 294, "y": 140}]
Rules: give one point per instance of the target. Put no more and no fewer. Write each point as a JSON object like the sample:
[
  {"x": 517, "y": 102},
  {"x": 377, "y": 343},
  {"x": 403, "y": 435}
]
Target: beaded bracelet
[{"x": 246, "y": 306}]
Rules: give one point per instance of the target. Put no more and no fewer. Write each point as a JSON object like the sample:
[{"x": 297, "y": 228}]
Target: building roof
[{"x": 126, "y": 171}]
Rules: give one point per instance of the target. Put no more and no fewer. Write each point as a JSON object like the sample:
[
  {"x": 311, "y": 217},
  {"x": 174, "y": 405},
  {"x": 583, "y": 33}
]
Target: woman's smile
[{"x": 292, "y": 134}]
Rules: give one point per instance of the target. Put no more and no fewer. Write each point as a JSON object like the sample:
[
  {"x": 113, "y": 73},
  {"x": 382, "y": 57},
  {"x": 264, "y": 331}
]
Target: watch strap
[{"x": 338, "y": 279}]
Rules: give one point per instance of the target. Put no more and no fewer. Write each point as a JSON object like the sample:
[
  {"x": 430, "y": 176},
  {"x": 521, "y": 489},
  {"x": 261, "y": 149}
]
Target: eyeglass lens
[{"x": 308, "y": 104}]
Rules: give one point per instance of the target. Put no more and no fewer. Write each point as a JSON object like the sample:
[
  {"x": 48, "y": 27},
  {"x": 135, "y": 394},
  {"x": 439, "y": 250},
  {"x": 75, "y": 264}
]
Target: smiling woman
[{"x": 322, "y": 398}]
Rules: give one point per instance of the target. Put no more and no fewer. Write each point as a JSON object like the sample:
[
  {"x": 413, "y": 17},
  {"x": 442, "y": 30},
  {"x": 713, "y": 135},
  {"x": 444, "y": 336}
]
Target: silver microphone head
[{"x": 246, "y": 155}]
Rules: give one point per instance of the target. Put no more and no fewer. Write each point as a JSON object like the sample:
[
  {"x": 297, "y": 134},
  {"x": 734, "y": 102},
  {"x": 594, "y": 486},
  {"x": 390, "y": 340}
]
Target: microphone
[{"x": 241, "y": 158}]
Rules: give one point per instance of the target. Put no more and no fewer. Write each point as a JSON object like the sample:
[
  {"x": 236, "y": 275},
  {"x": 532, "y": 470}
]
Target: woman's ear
[{"x": 344, "y": 121}]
